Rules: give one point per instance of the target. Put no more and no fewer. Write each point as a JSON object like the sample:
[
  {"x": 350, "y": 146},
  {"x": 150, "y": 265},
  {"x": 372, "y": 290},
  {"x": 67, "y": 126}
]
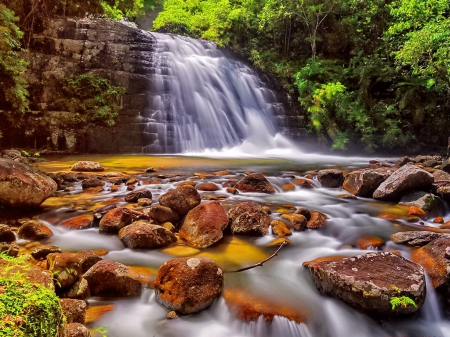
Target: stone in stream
[
  {"x": 77, "y": 330},
  {"x": 74, "y": 310},
  {"x": 78, "y": 290},
  {"x": 280, "y": 229},
  {"x": 21, "y": 186},
  {"x": 416, "y": 238},
  {"x": 430, "y": 203},
  {"x": 163, "y": 214},
  {"x": 6, "y": 234},
  {"x": 87, "y": 259},
  {"x": 143, "y": 235},
  {"x": 255, "y": 182},
  {"x": 330, "y": 178},
  {"x": 297, "y": 221},
  {"x": 65, "y": 267},
  {"x": 92, "y": 182},
  {"x": 363, "y": 183},
  {"x": 248, "y": 218},
  {"x": 181, "y": 200},
  {"x": 113, "y": 221},
  {"x": 370, "y": 282},
  {"x": 34, "y": 230},
  {"x": 136, "y": 195},
  {"x": 78, "y": 222},
  {"x": 42, "y": 251},
  {"x": 87, "y": 166},
  {"x": 188, "y": 285},
  {"x": 317, "y": 220},
  {"x": 204, "y": 224}
]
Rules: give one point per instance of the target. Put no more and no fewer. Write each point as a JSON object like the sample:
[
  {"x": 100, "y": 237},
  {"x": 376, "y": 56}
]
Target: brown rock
[
  {"x": 92, "y": 182},
  {"x": 210, "y": 187},
  {"x": 136, "y": 195},
  {"x": 79, "y": 222},
  {"x": 42, "y": 251},
  {"x": 416, "y": 238},
  {"x": 188, "y": 285},
  {"x": 27, "y": 272},
  {"x": 65, "y": 267},
  {"x": 248, "y": 218},
  {"x": 144, "y": 202},
  {"x": 87, "y": 166},
  {"x": 369, "y": 242},
  {"x": 387, "y": 216},
  {"x": 255, "y": 182},
  {"x": 162, "y": 214},
  {"x": 9, "y": 249},
  {"x": 113, "y": 221},
  {"x": 77, "y": 330},
  {"x": 303, "y": 211},
  {"x": 369, "y": 281},
  {"x": 280, "y": 229},
  {"x": 363, "y": 183},
  {"x": 439, "y": 219},
  {"x": 430, "y": 204},
  {"x": 445, "y": 225},
  {"x": 112, "y": 279},
  {"x": 330, "y": 178},
  {"x": 318, "y": 220},
  {"x": 73, "y": 310},
  {"x": 87, "y": 259},
  {"x": 181, "y": 200},
  {"x": 172, "y": 315},
  {"x": 78, "y": 290},
  {"x": 304, "y": 183},
  {"x": 414, "y": 210},
  {"x": 34, "y": 230},
  {"x": 288, "y": 187},
  {"x": 298, "y": 221},
  {"x": 6, "y": 234},
  {"x": 204, "y": 225},
  {"x": 20, "y": 186},
  {"x": 142, "y": 235}
]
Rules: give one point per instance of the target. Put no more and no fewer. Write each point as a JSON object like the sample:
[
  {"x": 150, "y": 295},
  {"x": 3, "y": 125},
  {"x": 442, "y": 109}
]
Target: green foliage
[
  {"x": 91, "y": 99},
  {"x": 402, "y": 301},
  {"x": 102, "y": 331}
]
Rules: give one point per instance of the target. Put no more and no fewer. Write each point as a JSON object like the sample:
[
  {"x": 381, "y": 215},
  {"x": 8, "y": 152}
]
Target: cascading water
[{"x": 203, "y": 100}]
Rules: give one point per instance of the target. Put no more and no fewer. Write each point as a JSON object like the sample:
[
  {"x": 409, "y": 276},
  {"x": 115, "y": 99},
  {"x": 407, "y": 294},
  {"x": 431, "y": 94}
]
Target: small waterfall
[{"x": 201, "y": 99}]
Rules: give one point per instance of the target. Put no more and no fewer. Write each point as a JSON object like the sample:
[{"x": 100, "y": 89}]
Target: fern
[{"x": 402, "y": 301}]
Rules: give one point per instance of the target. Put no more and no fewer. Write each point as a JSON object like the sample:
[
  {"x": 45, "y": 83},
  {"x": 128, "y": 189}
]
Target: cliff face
[{"x": 110, "y": 49}]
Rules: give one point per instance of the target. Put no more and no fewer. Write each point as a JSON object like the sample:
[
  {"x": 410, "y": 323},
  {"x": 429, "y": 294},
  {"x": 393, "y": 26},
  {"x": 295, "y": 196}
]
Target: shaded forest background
[{"x": 370, "y": 74}]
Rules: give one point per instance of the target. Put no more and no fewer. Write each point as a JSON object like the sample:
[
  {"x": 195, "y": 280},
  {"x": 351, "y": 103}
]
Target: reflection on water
[{"x": 282, "y": 279}]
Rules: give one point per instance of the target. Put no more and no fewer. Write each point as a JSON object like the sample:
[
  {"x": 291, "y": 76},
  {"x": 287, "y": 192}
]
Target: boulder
[
  {"x": 92, "y": 182},
  {"x": 209, "y": 187},
  {"x": 113, "y": 221},
  {"x": 372, "y": 282},
  {"x": 248, "y": 218},
  {"x": 87, "y": 259},
  {"x": 6, "y": 234},
  {"x": 162, "y": 214},
  {"x": 188, "y": 285},
  {"x": 87, "y": 166},
  {"x": 74, "y": 310},
  {"x": 27, "y": 272},
  {"x": 255, "y": 182},
  {"x": 181, "y": 200},
  {"x": 142, "y": 235},
  {"x": 112, "y": 279},
  {"x": 78, "y": 222},
  {"x": 136, "y": 195},
  {"x": 330, "y": 178},
  {"x": 298, "y": 222},
  {"x": 403, "y": 180},
  {"x": 416, "y": 238},
  {"x": 204, "y": 224},
  {"x": 317, "y": 220},
  {"x": 363, "y": 183},
  {"x": 20, "y": 186},
  {"x": 77, "y": 330},
  {"x": 42, "y": 251},
  {"x": 280, "y": 229},
  {"x": 78, "y": 290},
  {"x": 34, "y": 230},
  {"x": 65, "y": 267},
  {"x": 430, "y": 203}
]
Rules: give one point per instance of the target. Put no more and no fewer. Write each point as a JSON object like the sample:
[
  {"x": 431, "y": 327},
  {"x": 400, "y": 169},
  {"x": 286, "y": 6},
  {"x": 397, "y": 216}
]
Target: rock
[
  {"x": 142, "y": 235},
  {"x": 188, "y": 285},
  {"x": 162, "y": 214},
  {"x": 303, "y": 183},
  {"x": 248, "y": 218},
  {"x": 434, "y": 257},
  {"x": 303, "y": 211},
  {"x": 181, "y": 200},
  {"x": 6, "y": 234},
  {"x": 446, "y": 165},
  {"x": 9, "y": 249},
  {"x": 78, "y": 290},
  {"x": 204, "y": 224},
  {"x": 77, "y": 330},
  {"x": 317, "y": 220},
  {"x": 87, "y": 166},
  {"x": 298, "y": 221},
  {"x": 34, "y": 230},
  {"x": 280, "y": 229},
  {"x": 65, "y": 267},
  {"x": 249, "y": 308},
  {"x": 368, "y": 282},
  {"x": 414, "y": 210},
  {"x": 210, "y": 187},
  {"x": 368, "y": 242},
  {"x": 136, "y": 195},
  {"x": 406, "y": 178},
  {"x": 113, "y": 221},
  {"x": 27, "y": 271},
  {"x": 255, "y": 182},
  {"x": 20, "y": 186},
  {"x": 172, "y": 315},
  {"x": 416, "y": 238},
  {"x": 87, "y": 259},
  {"x": 430, "y": 203},
  {"x": 92, "y": 182},
  {"x": 144, "y": 202},
  {"x": 42, "y": 251},
  {"x": 330, "y": 178},
  {"x": 79, "y": 222},
  {"x": 74, "y": 310},
  {"x": 363, "y": 183}
]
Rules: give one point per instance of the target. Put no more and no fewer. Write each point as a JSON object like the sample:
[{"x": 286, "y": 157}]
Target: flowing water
[{"x": 220, "y": 116}]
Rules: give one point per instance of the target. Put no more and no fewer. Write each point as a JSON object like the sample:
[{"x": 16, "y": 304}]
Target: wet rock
[
  {"x": 20, "y": 186},
  {"x": 363, "y": 183},
  {"x": 248, "y": 307},
  {"x": 77, "y": 330},
  {"x": 303, "y": 183},
  {"x": 101, "y": 211},
  {"x": 42, "y": 251},
  {"x": 280, "y": 229},
  {"x": 79, "y": 222},
  {"x": 144, "y": 202},
  {"x": 9, "y": 249},
  {"x": 181, "y": 200},
  {"x": 27, "y": 272},
  {"x": 414, "y": 210},
  {"x": 428, "y": 202},
  {"x": 266, "y": 209},
  {"x": 65, "y": 267},
  {"x": 416, "y": 238},
  {"x": 142, "y": 235},
  {"x": 92, "y": 182},
  {"x": 188, "y": 285},
  {"x": 434, "y": 257},
  {"x": 113, "y": 221},
  {"x": 330, "y": 178},
  {"x": 112, "y": 279},
  {"x": 255, "y": 182},
  {"x": 406, "y": 178},
  {"x": 34, "y": 230},
  {"x": 169, "y": 226},
  {"x": 74, "y": 310},
  {"x": 87, "y": 259},
  {"x": 248, "y": 218},
  {"x": 298, "y": 222},
  {"x": 303, "y": 211},
  {"x": 78, "y": 290},
  {"x": 136, "y": 195},
  {"x": 162, "y": 214},
  {"x": 210, "y": 187},
  {"x": 317, "y": 220},
  {"x": 6, "y": 234},
  {"x": 370, "y": 242},
  {"x": 172, "y": 315},
  {"x": 87, "y": 166},
  {"x": 204, "y": 225},
  {"x": 369, "y": 281}
]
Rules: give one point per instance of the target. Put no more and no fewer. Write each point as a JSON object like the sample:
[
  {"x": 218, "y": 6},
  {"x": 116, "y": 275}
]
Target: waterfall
[{"x": 200, "y": 99}]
